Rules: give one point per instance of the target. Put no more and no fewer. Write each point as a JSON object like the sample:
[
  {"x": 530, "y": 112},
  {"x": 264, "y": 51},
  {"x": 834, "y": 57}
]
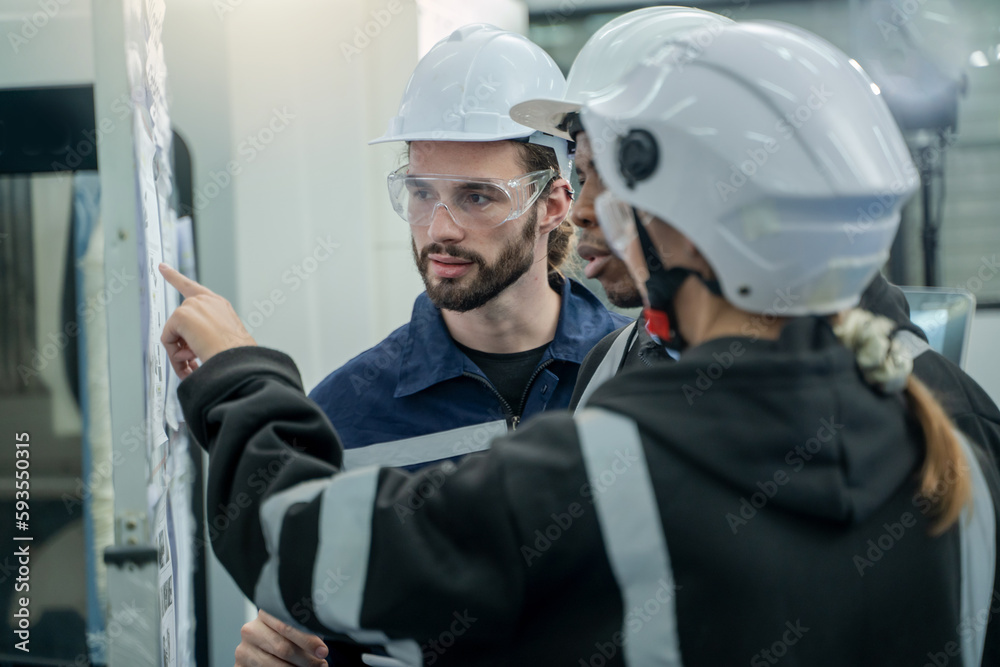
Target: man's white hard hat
[{"x": 464, "y": 87}]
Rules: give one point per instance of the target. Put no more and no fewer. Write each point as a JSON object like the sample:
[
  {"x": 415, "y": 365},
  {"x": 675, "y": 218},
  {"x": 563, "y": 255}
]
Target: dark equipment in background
[
  {"x": 45, "y": 130},
  {"x": 917, "y": 65}
]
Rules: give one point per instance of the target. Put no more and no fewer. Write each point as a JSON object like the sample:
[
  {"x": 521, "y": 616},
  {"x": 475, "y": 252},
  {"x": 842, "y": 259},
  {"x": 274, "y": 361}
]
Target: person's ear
[{"x": 555, "y": 206}]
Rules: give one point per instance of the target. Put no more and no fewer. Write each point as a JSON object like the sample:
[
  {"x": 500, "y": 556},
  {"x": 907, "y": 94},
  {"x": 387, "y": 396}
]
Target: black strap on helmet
[
  {"x": 571, "y": 124},
  {"x": 662, "y": 287}
]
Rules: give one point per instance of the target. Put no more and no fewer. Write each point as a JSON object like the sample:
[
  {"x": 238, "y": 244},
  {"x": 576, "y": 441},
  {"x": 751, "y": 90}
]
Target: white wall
[
  {"x": 329, "y": 75},
  {"x": 42, "y": 48},
  {"x": 301, "y": 111},
  {"x": 983, "y": 361},
  {"x": 194, "y": 46}
]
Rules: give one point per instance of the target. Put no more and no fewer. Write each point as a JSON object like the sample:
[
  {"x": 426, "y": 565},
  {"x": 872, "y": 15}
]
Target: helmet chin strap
[{"x": 662, "y": 287}]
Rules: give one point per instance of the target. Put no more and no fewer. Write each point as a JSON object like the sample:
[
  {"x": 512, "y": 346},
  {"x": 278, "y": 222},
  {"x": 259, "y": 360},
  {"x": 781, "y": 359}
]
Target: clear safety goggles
[
  {"x": 617, "y": 221},
  {"x": 473, "y": 203}
]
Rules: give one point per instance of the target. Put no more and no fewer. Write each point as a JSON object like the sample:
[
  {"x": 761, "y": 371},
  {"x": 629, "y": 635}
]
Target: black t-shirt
[{"x": 509, "y": 373}]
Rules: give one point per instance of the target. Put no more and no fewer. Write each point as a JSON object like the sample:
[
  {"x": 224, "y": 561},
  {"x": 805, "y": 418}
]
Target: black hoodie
[
  {"x": 968, "y": 404},
  {"x": 784, "y": 487}
]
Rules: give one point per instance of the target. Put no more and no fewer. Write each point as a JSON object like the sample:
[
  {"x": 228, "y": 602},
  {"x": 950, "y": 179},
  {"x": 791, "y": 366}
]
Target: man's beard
[{"x": 513, "y": 262}]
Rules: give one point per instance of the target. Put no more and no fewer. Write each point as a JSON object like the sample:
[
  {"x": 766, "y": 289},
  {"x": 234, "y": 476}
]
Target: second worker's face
[
  {"x": 463, "y": 268},
  {"x": 592, "y": 247}
]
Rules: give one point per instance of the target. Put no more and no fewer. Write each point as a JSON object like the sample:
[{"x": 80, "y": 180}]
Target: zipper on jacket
[
  {"x": 527, "y": 388},
  {"x": 512, "y": 419}
]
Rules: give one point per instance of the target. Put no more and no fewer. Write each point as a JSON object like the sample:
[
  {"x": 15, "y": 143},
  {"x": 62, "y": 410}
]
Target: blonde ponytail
[
  {"x": 944, "y": 477},
  {"x": 886, "y": 364}
]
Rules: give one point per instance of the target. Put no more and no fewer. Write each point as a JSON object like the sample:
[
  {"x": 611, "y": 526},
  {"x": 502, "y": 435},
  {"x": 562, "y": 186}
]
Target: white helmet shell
[
  {"x": 773, "y": 152},
  {"x": 609, "y": 54},
  {"x": 464, "y": 87}
]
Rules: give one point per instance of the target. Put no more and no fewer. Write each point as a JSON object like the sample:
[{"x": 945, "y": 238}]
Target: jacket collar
[{"x": 430, "y": 355}]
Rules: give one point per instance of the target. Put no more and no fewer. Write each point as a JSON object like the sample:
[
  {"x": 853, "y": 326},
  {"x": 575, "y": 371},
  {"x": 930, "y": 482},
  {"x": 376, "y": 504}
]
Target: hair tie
[{"x": 885, "y": 362}]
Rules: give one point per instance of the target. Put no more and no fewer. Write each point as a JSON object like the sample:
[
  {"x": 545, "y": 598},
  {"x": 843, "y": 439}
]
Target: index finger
[
  {"x": 182, "y": 283},
  {"x": 311, "y": 643}
]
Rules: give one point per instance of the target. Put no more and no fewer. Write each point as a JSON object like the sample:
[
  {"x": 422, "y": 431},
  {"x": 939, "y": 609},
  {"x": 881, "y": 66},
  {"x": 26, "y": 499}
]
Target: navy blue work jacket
[{"x": 416, "y": 398}]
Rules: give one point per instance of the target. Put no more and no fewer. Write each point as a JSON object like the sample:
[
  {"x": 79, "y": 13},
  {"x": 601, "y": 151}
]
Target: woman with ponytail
[
  {"x": 752, "y": 237},
  {"x": 786, "y": 493}
]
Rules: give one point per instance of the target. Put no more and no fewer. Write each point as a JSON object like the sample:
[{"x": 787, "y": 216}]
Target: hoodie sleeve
[{"x": 342, "y": 554}]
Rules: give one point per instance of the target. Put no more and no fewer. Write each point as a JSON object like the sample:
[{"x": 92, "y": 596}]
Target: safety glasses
[
  {"x": 473, "y": 203},
  {"x": 617, "y": 221}
]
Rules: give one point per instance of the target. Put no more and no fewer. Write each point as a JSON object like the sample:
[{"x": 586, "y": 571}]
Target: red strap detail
[{"x": 657, "y": 323}]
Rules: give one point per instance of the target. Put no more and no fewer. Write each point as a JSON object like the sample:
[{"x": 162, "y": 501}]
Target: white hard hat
[
  {"x": 772, "y": 151},
  {"x": 608, "y": 55},
  {"x": 464, "y": 87}
]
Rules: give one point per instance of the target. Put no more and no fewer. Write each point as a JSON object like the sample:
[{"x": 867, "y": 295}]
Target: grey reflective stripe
[
  {"x": 629, "y": 517},
  {"x": 427, "y": 448},
  {"x": 977, "y": 532},
  {"x": 341, "y": 567},
  {"x": 267, "y": 593},
  {"x": 345, "y": 535},
  {"x": 912, "y": 342},
  {"x": 608, "y": 367}
]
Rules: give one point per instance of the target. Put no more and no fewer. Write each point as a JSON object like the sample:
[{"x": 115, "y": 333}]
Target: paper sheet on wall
[
  {"x": 162, "y": 238},
  {"x": 155, "y": 297},
  {"x": 181, "y": 521},
  {"x": 166, "y": 551},
  {"x": 172, "y": 297}
]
